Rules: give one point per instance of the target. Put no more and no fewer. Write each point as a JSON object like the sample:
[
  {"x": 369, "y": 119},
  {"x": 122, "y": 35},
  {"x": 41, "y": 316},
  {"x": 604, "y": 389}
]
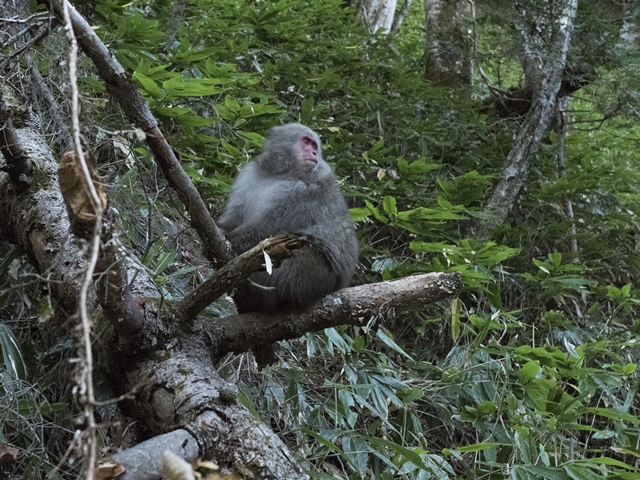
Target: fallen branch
[{"x": 349, "y": 306}]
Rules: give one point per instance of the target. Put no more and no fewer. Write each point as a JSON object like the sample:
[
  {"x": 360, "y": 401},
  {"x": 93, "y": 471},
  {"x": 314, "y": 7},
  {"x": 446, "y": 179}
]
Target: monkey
[{"x": 290, "y": 189}]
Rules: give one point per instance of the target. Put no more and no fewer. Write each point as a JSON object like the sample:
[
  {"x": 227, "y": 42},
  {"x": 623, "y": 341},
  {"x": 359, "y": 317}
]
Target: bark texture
[
  {"x": 448, "y": 61},
  {"x": 377, "y": 14},
  {"x": 359, "y": 305},
  {"x": 544, "y": 53}
]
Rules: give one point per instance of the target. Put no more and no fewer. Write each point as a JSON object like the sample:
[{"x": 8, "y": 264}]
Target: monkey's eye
[{"x": 311, "y": 142}]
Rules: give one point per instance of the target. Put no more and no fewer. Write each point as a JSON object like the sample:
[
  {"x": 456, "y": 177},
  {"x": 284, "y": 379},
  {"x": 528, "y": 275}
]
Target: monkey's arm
[{"x": 241, "y": 199}]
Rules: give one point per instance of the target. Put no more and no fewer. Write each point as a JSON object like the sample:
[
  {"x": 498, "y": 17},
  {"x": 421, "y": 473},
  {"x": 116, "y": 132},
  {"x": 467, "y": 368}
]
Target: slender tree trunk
[
  {"x": 561, "y": 130},
  {"x": 400, "y": 17},
  {"x": 546, "y": 34},
  {"x": 377, "y": 14},
  {"x": 175, "y": 19}
]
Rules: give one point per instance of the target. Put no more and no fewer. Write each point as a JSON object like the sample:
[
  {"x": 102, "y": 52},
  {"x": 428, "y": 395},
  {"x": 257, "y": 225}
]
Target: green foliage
[
  {"x": 25, "y": 405},
  {"x": 532, "y": 371}
]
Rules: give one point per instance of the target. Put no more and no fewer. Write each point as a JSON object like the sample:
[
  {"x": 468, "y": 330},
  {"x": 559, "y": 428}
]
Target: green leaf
[
  {"x": 389, "y": 205},
  {"x": 11, "y": 355},
  {"x": 49, "y": 408},
  {"x": 356, "y": 451},
  {"x": 233, "y": 151},
  {"x": 179, "y": 87},
  {"x": 607, "y": 461},
  {"x": 615, "y": 415},
  {"x": 359, "y": 214},
  {"x": 376, "y": 213},
  {"x": 346, "y": 401},
  {"x": 190, "y": 120},
  {"x": 479, "y": 447},
  {"x": 405, "y": 454},
  {"x": 528, "y": 371},
  {"x": 532, "y": 472},
  {"x": 577, "y": 472},
  {"x": 414, "y": 393},
  {"x": 385, "y": 336},
  {"x": 555, "y": 259},
  {"x": 256, "y": 139},
  {"x": 148, "y": 85},
  {"x": 323, "y": 441}
]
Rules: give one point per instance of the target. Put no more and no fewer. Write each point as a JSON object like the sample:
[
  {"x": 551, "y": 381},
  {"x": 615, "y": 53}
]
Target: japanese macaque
[{"x": 289, "y": 188}]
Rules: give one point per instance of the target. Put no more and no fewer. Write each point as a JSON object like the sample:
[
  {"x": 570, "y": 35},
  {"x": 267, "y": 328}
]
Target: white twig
[{"x": 85, "y": 380}]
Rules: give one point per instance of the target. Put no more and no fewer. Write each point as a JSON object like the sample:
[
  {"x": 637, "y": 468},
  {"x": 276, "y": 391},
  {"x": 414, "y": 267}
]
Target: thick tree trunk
[
  {"x": 544, "y": 57},
  {"x": 448, "y": 61}
]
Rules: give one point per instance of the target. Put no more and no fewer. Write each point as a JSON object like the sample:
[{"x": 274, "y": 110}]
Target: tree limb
[
  {"x": 349, "y": 306},
  {"x": 123, "y": 91},
  {"x": 397, "y": 21},
  {"x": 236, "y": 272}
]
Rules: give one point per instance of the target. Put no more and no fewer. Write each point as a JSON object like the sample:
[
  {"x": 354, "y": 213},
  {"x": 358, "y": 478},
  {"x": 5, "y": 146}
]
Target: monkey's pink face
[{"x": 309, "y": 151}]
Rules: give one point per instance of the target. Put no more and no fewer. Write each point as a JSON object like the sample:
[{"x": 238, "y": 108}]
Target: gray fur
[{"x": 278, "y": 194}]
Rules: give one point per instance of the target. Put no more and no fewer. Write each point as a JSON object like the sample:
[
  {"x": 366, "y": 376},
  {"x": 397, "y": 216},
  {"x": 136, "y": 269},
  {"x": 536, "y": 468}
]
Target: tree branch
[
  {"x": 397, "y": 21},
  {"x": 349, "y": 306},
  {"x": 236, "y": 272},
  {"x": 546, "y": 64},
  {"x": 123, "y": 91}
]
